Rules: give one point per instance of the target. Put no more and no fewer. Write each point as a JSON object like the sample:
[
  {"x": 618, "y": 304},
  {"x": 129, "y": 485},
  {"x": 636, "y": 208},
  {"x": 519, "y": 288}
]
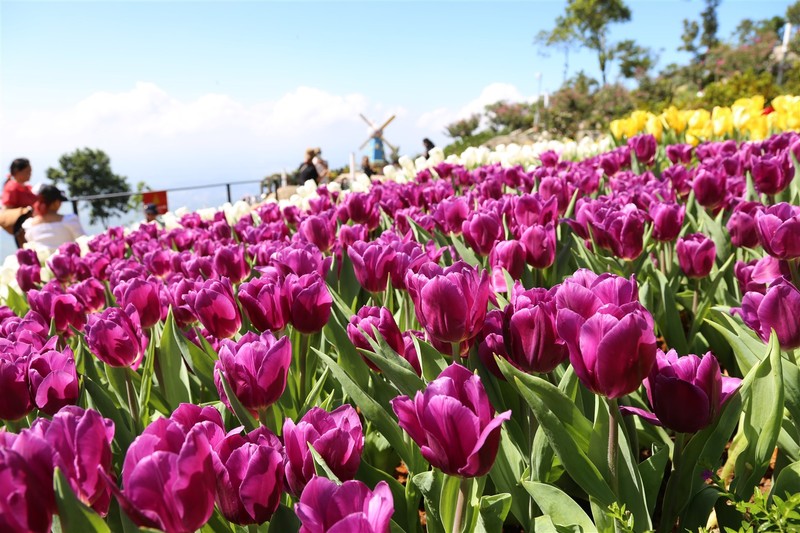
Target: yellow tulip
[
  {"x": 722, "y": 121},
  {"x": 675, "y": 120},
  {"x": 616, "y": 128},
  {"x": 654, "y": 127}
]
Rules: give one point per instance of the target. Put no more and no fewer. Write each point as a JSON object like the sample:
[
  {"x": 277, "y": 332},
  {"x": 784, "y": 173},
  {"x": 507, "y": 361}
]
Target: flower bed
[{"x": 475, "y": 345}]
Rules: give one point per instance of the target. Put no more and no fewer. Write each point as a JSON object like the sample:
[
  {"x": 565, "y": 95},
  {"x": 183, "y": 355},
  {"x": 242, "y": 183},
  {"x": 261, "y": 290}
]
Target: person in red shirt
[{"x": 17, "y": 199}]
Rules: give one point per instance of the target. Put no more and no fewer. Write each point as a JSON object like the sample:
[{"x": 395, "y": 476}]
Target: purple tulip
[
  {"x": 372, "y": 262},
  {"x": 301, "y": 260},
  {"x": 176, "y": 290},
  {"x": 679, "y": 153},
  {"x": 773, "y": 310},
  {"x": 319, "y": 230},
  {"x": 231, "y": 262},
  {"x": 491, "y": 342},
  {"x": 336, "y": 436},
  {"x": 779, "y": 230},
  {"x": 696, "y": 255},
  {"x": 168, "y": 478},
  {"x": 350, "y": 234},
  {"x": 533, "y": 343},
  {"x": 613, "y": 350},
  {"x": 451, "y": 213},
  {"x": 453, "y": 423},
  {"x": 449, "y": 303},
  {"x": 686, "y": 393},
  {"x": 481, "y": 231},
  {"x": 667, "y": 220},
  {"x": 326, "y": 507},
  {"x": 91, "y": 293},
  {"x": 382, "y": 319},
  {"x": 585, "y": 292},
  {"x": 710, "y": 188},
  {"x": 309, "y": 302},
  {"x": 29, "y": 271},
  {"x": 64, "y": 266},
  {"x": 27, "y": 501},
  {"x": 540, "y": 245},
  {"x": 742, "y": 224},
  {"x": 64, "y": 309},
  {"x": 53, "y": 379},
  {"x": 644, "y": 146},
  {"x": 158, "y": 262},
  {"x": 249, "y": 472},
  {"x": 144, "y": 296},
  {"x": 771, "y": 175},
  {"x": 264, "y": 304},
  {"x": 15, "y": 401},
  {"x": 81, "y": 446},
  {"x": 115, "y": 337},
  {"x": 510, "y": 256},
  {"x": 530, "y": 209},
  {"x": 255, "y": 368},
  {"x": 744, "y": 277},
  {"x": 216, "y": 308}
]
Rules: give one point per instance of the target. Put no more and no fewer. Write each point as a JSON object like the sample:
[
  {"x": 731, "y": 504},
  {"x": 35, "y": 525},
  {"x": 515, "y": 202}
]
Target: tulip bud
[
  {"x": 326, "y": 506},
  {"x": 696, "y": 255},
  {"x": 231, "y": 262},
  {"x": 372, "y": 263},
  {"x": 336, "y": 436},
  {"x": 144, "y": 296},
  {"x": 16, "y": 400},
  {"x": 309, "y": 302},
  {"x": 53, "y": 379},
  {"x": 686, "y": 393},
  {"x": 319, "y": 230},
  {"x": 81, "y": 445},
  {"x": 773, "y": 310},
  {"x": 64, "y": 266},
  {"x": 481, "y": 231},
  {"x": 115, "y": 337},
  {"x": 55, "y": 306},
  {"x": 449, "y": 303},
  {"x": 742, "y": 224},
  {"x": 27, "y": 501},
  {"x": 644, "y": 146},
  {"x": 382, "y": 319},
  {"x": 530, "y": 209},
  {"x": 158, "y": 262},
  {"x": 679, "y": 153},
  {"x": 540, "y": 245},
  {"x": 264, "y": 304},
  {"x": 91, "y": 293},
  {"x": 215, "y": 307},
  {"x": 509, "y": 255},
  {"x": 168, "y": 478},
  {"x": 769, "y": 174},
  {"x": 613, "y": 350},
  {"x": 467, "y": 445},
  {"x": 667, "y": 220},
  {"x": 256, "y": 369},
  {"x": 779, "y": 230},
  {"x": 534, "y": 344},
  {"x": 451, "y": 213},
  {"x": 710, "y": 188},
  {"x": 249, "y": 473}
]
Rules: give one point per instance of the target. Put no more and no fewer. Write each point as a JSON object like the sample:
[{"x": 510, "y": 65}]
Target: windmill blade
[
  {"x": 390, "y": 145},
  {"x": 365, "y": 119},
  {"x": 365, "y": 143},
  {"x": 387, "y": 122}
]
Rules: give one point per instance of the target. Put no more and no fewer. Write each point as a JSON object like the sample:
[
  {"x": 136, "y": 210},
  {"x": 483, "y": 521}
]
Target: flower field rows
[{"x": 470, "y": 345}]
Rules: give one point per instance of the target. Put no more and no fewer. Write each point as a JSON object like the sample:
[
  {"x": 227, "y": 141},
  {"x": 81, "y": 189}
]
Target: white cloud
[{"x": 441, "y": 117}]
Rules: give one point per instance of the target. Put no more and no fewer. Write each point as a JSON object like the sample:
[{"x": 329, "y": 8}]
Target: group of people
[
  {"x": 32, "y": 215},
  {"x": 313, "y": 167}
]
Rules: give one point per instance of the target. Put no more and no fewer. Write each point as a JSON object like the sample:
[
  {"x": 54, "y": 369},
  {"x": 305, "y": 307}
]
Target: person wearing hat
[
  {"x": 321, "y": 165},
  {"x": 47, "y": 228},
  {"x": 151, "y": 213}
]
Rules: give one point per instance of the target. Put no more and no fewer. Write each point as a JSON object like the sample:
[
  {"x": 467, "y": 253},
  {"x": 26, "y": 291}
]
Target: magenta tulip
[
  {"x": 144, "y": 296},
  {"x": 696, "y": 255},
  {"x": 372, "y": 263},
  {"x": 231, "y": 262},
  {"x": 540, "y": 245},
  {"x": 779, "y": 230},
  {"x": 116, "y": 338},
  {"x": 215, "y": 307},
  {"x": 309, "y": 302},
  {"x": 263, "y": 302},
  {"x": 774, "y": 310},
  {"x": 327, "y": 507},
  {"x": 481, "y": 230},
  {"x": 53, "y": 379}
]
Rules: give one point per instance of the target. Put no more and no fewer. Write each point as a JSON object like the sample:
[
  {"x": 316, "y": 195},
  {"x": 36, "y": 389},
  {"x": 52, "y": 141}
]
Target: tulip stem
[
  {"x": 458, "y": 520},
  {"x": 613, "y": 444},
  {"x": 695, "y": 302},
  {"x": 131, "y": 397}
]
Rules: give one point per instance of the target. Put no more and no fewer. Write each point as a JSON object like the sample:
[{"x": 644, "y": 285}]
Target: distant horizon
[{"x": 204, "y": 92}]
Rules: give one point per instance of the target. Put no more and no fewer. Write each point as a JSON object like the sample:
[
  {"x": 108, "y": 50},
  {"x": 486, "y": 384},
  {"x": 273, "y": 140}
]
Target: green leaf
[
  {"x": 464, "y": 251},
  {"x": 74, "y": 515},
  {"x": 763, "y": 396},
  {"x": 430, "y": 485},
  {"x": 561, "y": 509},
  {"x": 745, "y": 345},
  {"x": 788, "y": 481},
  {"x": 372, "y": 476},
  {"x": 173, "y": 376},
  {"x": 321, "y": 467},
  {"x": 447, "y": 501},
  {"x": 652, "y": 471},
  {"x": 244, "y": 416},
  {"x": 395, "y": 368},
  {"x": 493, "y": 512},
  {"x": 431, "y": 360},
  {"x": 699, "y": 508},
  {"x": 102, "y": 401},
  {"x": 566, "y": 428},
  {"x": 284, "y": 521},
  {"x": 16, "y": 302},
  {"x": 668, "y": 317},
  {"x": 506, "y": 474}
]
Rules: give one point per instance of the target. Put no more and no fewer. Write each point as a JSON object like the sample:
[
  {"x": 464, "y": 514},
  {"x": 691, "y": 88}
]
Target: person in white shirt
[{"x": 47, "y": 228}]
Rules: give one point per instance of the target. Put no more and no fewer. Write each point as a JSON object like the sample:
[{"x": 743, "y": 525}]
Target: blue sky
[{"x": 203, "y": 92}]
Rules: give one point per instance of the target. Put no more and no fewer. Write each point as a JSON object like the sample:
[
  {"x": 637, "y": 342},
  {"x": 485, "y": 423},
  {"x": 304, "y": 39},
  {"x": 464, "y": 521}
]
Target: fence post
[
  {"x": 75, "y": 206},
  {"x": 228, "y": 187}
]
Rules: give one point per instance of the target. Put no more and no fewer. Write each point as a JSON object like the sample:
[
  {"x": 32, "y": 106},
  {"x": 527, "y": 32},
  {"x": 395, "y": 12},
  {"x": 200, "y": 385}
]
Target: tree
[
  {"x": 506, "y": 116},
  {"x": 793, "y": 14},
  {"x": 463, "y": 128},
  {"x": 87, "y": 172},
  {"x": 586, "y": 22},
  {"x": 635, "y": 61},
  {"x": 708, "y": 38}
]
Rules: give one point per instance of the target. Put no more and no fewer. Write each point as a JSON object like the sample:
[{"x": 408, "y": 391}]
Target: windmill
[{"x": 377, "y": 139}]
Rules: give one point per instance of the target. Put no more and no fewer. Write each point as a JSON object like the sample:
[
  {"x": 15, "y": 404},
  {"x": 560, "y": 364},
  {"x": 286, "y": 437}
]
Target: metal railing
[{"x": 266, "y": 185}]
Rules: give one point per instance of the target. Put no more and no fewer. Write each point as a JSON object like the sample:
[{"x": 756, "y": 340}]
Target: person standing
[
  {"x": 18, "y": 199},
  {"x": 307, "y": 171},
  {"x": 428, "y": 144},
  {"x": 321, "y": 165},
  {"x": 366, "y": 168}
]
